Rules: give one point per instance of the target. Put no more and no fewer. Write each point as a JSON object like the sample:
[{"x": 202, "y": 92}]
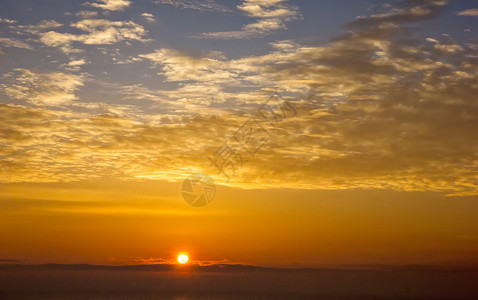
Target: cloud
[
  {"x": 449, "y": 47},
  {"x": 405, "y": 12},
  {"x": 112, "y": 5},
  {"x": 99, "y": 32},
  {"x": 272, "y": 15},
  {"x": 268, "y": 9},
  {"x": 383, "y": 109},
  {"x": 61, "y": 40},
  {"x": 151, "y": 260},
  {"x": 378, "y": 108},
  {"x": 84, "y": 14},
  {"x": 189, "y": 99},
  {"x": 473, "y": 12},
  {"x": 8, "y": 21},
  {"x": 48, "y": 89},
  {"x": 74, "y": 64},
  {"x": 178, "y": 66},
  {"x": 45, "y": 24},
  {"x": 9, "y": 42},
  {"x": 78, "y": 62},
  {"x": 149, "y": 17},
  {"x": 200, "y": 5},
  {"x": 37, "y": 28},
  {"x": 54, "y": 146},
  {"x": 172, "y": 261}
]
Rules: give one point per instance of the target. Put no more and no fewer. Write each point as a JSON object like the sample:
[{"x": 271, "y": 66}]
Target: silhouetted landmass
[
  {"x": 226, "y": 267},
  {"x": 83, "y": 281},
  {"x": 144, "y": 267}
]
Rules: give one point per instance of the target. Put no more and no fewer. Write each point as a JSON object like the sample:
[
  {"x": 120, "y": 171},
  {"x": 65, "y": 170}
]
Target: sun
[{"x": 183, "y": 258}]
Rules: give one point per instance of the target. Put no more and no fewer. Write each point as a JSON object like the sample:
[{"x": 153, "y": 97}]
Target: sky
[{"x": 107, "y": 106}]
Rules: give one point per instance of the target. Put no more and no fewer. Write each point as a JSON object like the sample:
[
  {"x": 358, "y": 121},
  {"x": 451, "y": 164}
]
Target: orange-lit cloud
[
  {"x": 112, "y": 5},
  {"x": 98, "y": 32},
  {"x": 473, "y": 12},
  {"x": 270, "y": 15},
  {"x": 381, "y": 110},
  {"x": 377, "y": 109}
]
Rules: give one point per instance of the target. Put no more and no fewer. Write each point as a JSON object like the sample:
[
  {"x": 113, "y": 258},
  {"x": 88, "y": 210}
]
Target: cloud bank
[{"x": 378, "y": 108}]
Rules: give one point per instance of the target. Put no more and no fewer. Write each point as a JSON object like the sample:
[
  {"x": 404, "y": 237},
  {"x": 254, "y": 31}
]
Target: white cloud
[
  {"x": 61, "y": 40},
  {"x": 9, "y": 42},
  {"x": 37, "y": 28},
  {"x": 149, "y": 17},
  {"x": 43, "y": 25},
  {"x": 85, "y": 14},
  {"x": 99, "y": 32},
  {"x": 78, "y": 62},
  {"x": 113, "y": 5},
  {"x": 449, "y": 47},
  {"x": 267, "y": 8},
  {"x": 48, "y": 89},
  {"x": 272, "y": 15},
  {"x": 8, "y": 21},
  {"x": 179, "y": 66},
  {"x": 473, "y": 12},
  {"x": 46, "y": 24},
  {"x": 74, "y": 64},
  {"x": 200, "y": 5}
]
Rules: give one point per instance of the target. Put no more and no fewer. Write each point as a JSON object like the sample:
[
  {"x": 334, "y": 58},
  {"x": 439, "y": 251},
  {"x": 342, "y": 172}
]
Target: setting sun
[{"x": 183, "y": 258}]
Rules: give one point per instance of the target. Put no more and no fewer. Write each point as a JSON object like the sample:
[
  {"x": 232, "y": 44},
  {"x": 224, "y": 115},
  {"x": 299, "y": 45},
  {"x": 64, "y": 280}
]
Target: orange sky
[{"x": 120, "y": 222}]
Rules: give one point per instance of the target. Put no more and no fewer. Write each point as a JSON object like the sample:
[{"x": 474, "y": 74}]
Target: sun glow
[{"x": 183, "y": 258}]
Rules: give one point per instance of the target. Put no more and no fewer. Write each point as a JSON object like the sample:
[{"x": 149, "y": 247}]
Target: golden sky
[{"x": 107, "y": 106}]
